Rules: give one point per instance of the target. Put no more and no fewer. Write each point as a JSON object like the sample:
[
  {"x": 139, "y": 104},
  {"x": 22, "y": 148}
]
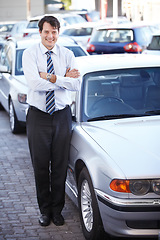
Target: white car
[
  {"x": 13, "y": 85},
  {"x": 154, "y": 46},
  {"x": 64, "y": 19},
  {"x": 12, "y": 29},
  {"x": 114, "y": 163},
  {"x": 82, "y": 32}
]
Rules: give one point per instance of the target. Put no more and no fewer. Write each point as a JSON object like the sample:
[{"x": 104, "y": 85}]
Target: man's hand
[
  {"x": 74, "y": 73},
  {"x": 44, "y": 76}
]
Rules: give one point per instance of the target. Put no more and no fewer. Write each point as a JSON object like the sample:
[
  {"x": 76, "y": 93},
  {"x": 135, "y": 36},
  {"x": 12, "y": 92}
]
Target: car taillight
[
  {"x": 22, "y": 98},
  {"x": 8, "y": 36},
  {"x": 90, "y": 47},
  {"x": 133, "y": 47},
  {"x": 25, "y": 34}
]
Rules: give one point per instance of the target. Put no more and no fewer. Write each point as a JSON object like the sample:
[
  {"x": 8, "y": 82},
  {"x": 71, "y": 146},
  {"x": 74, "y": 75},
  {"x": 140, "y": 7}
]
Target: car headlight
[
  {"x": 22, "y": 98},
  {"x": 136, "y": 186},
  {"x": 139, "y": 187},
  {"x": 156, "y": 186}
]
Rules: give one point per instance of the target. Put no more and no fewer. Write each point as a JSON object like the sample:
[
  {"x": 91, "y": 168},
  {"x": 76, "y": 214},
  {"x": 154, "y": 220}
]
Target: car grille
[{"x": 150, "y": 224}]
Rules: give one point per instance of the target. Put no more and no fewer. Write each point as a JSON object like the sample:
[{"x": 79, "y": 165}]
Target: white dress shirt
[{"x": 34, "y": 61}]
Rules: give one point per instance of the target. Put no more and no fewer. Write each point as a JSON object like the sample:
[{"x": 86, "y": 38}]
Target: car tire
[
  {"x": 14, "y": 124},
  {"x": 89, "y": 212},
  {"x": 1, "y": 107}
]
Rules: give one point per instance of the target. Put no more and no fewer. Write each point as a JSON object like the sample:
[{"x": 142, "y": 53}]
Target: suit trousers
[{"x": 49, "y": 140}]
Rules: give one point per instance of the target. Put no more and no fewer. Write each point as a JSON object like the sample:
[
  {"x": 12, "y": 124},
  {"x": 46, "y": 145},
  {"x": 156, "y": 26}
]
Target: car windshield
[
  {"x": 112, "y": 35},
  {"x": 155, "y": 43},
  {"x": 121, "y": 93},
  {"x": 78, "y": 52},
  {"x": 74, "y": 19}
]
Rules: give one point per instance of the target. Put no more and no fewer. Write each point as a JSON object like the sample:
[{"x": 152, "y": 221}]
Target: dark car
[{"x": 120, "y": 39}]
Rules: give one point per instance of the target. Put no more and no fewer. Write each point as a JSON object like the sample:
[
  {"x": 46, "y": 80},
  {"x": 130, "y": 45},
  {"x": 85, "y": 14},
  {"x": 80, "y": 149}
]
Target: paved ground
[
  {"x": 19, "y": 212},
  {"x": 18, "y": 206}
]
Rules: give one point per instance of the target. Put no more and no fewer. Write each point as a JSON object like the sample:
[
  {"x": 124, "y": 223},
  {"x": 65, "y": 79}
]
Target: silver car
[
  {"x": 114, "y": 163},
  {"x": 13, "y": 85}
]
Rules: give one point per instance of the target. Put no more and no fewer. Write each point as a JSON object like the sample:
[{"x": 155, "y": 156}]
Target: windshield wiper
[
  {"x": 153, "y": 112},
  {"x": 107, "y": 117}
]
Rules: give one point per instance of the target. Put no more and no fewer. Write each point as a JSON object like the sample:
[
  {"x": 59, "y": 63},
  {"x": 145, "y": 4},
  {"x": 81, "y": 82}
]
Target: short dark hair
[{"x": 53, "y": 21}]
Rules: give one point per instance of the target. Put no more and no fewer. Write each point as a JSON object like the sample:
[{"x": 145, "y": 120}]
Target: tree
[{"x": 67, "y": 4}]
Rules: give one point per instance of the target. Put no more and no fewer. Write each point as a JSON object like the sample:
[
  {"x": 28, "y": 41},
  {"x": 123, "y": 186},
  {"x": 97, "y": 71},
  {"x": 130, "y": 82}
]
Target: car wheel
[
  {"x": 1, "y": 107},
  {"x": 89, "y": 211},
  {"x": 14, "y": 124}
]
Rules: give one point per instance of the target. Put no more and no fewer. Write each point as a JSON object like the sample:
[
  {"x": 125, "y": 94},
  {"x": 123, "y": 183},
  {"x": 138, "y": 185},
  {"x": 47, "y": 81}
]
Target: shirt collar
[{"x": 44, "y": 49}]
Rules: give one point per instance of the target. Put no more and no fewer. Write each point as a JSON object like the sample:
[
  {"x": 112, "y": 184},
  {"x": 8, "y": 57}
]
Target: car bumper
[
  {"x": 129, "y": 218},
  {"x": 21, "y": 112}
]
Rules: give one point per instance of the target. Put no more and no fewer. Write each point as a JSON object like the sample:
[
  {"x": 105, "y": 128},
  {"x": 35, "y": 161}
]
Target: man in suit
[{"x": 51, "y": 74}]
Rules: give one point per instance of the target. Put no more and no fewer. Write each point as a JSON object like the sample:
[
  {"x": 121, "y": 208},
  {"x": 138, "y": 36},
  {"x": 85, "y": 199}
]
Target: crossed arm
[{"x": 74, "y": 73}]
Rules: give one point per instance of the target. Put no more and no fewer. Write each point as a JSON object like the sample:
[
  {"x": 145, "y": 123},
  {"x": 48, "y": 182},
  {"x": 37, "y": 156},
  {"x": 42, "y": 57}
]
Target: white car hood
[
  {"x": 22, "y": 79},
  {"x": 133, "y": 144}
]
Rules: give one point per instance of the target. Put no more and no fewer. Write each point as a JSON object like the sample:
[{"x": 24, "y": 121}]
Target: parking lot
[{"x": 19, "y": 211}]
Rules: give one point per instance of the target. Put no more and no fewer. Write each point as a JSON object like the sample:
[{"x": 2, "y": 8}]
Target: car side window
[
  {"x": 4, "y": 61},
  {"x": 6, "y": 57},
  {"x": 9, "y": 57},
  {"x": 2, "y": 54},
  {"x": 73, "y": 104},
  {"x": 155, "y": 43},
  {"x": 18, "y": 65}
]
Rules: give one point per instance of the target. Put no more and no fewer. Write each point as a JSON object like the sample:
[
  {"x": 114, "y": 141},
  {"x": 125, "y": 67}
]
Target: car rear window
[
  {"x": 113, "y": 35},
  {"x": 155, "y": 43},
  {"x": 78, "y": 31},
  {"x": 33, "y": 24},
  {"x": 6, "y": 27}
]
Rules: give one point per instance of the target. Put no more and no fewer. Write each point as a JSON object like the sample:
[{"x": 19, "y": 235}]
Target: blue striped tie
[{"x": 50, "y": 97}]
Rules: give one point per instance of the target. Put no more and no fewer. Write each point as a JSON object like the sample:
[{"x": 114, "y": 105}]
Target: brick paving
[{"x": 19, "y": 211}]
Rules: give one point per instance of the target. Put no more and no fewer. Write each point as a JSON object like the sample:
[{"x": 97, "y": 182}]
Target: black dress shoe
[
  {"x": 58, "y": 220},
  {"x": 44, "y": 220}
]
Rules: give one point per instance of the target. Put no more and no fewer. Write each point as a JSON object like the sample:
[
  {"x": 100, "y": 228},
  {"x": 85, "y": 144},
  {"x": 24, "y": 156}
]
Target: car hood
[
  {"x": 133, "y": 144},
  {"x": 21, "y": 79},
  {"x": 152, "y": 52}
]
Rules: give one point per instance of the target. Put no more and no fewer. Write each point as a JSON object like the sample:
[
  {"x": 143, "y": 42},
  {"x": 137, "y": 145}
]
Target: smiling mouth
[{"x": 50, "y": 40}]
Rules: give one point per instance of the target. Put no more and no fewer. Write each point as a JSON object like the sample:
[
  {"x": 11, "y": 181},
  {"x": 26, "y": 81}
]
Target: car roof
[
  {"x": 157, "y": 33},
  {"x": 54, "y": 15},
  {"x": 95, "y": 63},
  {"x": 26, "y": 42},
  {"x": 83, "y": 25},
  {"x": 123, "y": 26},
  {"x": 7, "y": 22}
]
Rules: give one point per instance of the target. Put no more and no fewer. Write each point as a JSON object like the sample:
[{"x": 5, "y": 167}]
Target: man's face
[{"x": 49, "y": 35}]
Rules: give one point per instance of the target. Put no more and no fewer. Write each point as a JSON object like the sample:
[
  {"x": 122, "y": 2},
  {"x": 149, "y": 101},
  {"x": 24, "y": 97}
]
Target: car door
[{"x": 5, "y": 75}]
